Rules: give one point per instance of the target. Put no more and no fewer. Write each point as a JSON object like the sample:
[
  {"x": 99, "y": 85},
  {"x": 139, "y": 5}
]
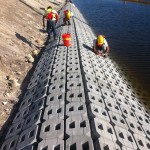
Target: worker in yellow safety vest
[
  {"x": 52, "y": 17},
  {"x": 100, "y": 46},
  {"x": 67, "y": 16}
]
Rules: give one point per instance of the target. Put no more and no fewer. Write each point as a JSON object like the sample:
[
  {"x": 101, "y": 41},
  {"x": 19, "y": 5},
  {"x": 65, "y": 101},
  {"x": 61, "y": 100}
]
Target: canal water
[{"x": 126, "y": 26}]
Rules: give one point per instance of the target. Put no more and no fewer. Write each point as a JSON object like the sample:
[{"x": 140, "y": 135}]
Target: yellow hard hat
[{"x": 100, "y": 39}]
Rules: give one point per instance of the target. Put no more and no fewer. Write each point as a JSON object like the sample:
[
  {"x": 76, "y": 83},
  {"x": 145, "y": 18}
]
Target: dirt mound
[{"x": 21, "y": 35}]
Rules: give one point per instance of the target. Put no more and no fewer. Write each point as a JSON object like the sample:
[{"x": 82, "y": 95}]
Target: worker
[
  {"x": 100, "y": 46},
  {"x": 52, "y": 17},
  {"x": 67, "y": 16}
]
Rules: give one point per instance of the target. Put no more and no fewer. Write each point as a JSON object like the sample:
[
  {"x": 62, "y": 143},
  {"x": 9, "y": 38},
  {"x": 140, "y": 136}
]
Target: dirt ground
[{"x": 21, "y": 38}]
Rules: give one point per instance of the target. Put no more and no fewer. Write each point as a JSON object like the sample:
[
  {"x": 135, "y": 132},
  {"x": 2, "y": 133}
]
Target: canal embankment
[{"x": 77, "y": 100}]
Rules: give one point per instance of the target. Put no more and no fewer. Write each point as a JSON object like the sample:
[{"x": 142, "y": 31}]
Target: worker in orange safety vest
[{"x": 52, "y": 17}]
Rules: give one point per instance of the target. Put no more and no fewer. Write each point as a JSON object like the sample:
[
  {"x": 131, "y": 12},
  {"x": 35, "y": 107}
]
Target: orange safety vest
[{"x": 51, "y": 16}]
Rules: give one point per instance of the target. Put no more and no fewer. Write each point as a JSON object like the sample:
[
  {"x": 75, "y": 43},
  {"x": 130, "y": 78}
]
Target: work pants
[
  {"x": 102, "y": 49},
  {"x": 51, "y": 27},
  {"x": 66, "y": 21}
]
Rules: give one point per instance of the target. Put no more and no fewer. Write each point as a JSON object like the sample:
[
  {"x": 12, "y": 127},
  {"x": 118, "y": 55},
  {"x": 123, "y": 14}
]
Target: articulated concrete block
[
  {"x": 143, "y": 119},
  {"x": 113, "y": 83},
  {"x": 58, "y": 79},
  {"x": 28, "y": 95},
  {"x": 73, "y": 54},
  {"x": 91, "y": 79},
  {"x": 76, "y": 96},
  {"x": 142, "y": 142},
  {"x": 47, "y": 68},
  {"x": 128, "y": 97},
  {"x": 21, "y": 115},
  {"x": 125, "y": 138},
  {"x": 92, "y": 88},
  {"x": 79, "y": 143},
  {"x": 101, "y": 77},
  {"x": 104, "y": 129},
  {"x": 76, "y": 108},
  {"x": 99, "y": 71},
  {"x": 88, "y": 72},
  {"x": 135, "y": 127},
  {"x": 60, "y": 60},
  {"x": 33, "y": 119},
  {"x": 74, "y": 77},
  {"x": 38, "y": 105},
  {"x": 74, "y": 69},
  {"x": 122, "y": 101},
  {"x": 40, "y": 93},
  {"x": 53, "y": 112},
  {"x": 45, "y": 76},
  {"x": 75, "y": 85},
  {"x": 77, "y": 125},
  {"x": 108, "y": 95},
  {"x": 59, "y": 87},
  {"x": 33, "y": 82},
  {"x": 30, "y": 147},
  {"x": 137, "y": 107},
  {"x": 48, "y": 63},
  {"x": 61, "y": 50},
  {"x": 27, "y": 137},
  {"x": 117, "y": 120},
  {"x": 117, "y": 91},
  {"x": 52, "y": 128},
  {"x": 128, "y": 113},
  {"x": 14, "y": 129},
  {"x": 60, "y": 55},
  {"x": 146, "y": 130},
  {"x": 112, "y": 106},
  {"x": 96, "y": 111},
  {"x": 86, "y": 59},
  {"x": 106, "y": 144},
  {"x": 42, "y": 83},
  {"x": 59, "y": 65},
  {"x": 87, "y": 65},
  {"x": 37, "y": 71},
  {"x": 55, "y": 99},
  {"x": 73, "y": 63},
  {"x": 26, "y": 102},
  {"x": 51, "y": 144},
  {"x": 96, "y": 99},
  {"x": 59, "y": 71},
  {"x": 10, "y": 144},
  {"x": 105, "y": 88}
]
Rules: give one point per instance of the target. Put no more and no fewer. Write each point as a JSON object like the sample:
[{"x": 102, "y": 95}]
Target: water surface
[{"x": 126, "y": 26}]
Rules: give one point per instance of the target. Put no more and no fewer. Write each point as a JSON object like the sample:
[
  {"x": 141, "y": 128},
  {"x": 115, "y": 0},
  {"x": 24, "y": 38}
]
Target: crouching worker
[
  {"x": 100, "y": 46},
  {"x": 67, "y": 16}
]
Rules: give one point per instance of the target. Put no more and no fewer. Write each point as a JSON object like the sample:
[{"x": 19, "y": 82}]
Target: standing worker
[
  {"x": 100, "y": 46},
  {"x": 67, "y": 16},
  {"x": 52, "y": 18}
]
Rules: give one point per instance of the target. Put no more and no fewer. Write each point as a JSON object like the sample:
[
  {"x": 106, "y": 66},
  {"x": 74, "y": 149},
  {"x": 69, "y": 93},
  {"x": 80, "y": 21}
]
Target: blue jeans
[{"x": 51, "y": 26}]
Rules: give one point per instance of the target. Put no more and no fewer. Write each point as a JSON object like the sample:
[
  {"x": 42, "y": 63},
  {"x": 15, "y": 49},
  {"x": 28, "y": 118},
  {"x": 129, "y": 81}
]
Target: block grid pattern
[{"x": 78, "y": 101}]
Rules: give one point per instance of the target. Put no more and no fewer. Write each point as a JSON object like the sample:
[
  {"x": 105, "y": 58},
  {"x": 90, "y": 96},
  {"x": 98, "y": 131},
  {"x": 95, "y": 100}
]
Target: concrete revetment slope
[{"x": 78, "y": 101}]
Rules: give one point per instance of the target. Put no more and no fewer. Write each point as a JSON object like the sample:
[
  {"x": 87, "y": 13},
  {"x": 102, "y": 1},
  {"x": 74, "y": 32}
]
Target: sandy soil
[{"x": 21, "y": 35}]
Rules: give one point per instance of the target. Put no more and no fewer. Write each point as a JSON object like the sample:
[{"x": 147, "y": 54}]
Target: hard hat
[{"x": 100, "y": 39}]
